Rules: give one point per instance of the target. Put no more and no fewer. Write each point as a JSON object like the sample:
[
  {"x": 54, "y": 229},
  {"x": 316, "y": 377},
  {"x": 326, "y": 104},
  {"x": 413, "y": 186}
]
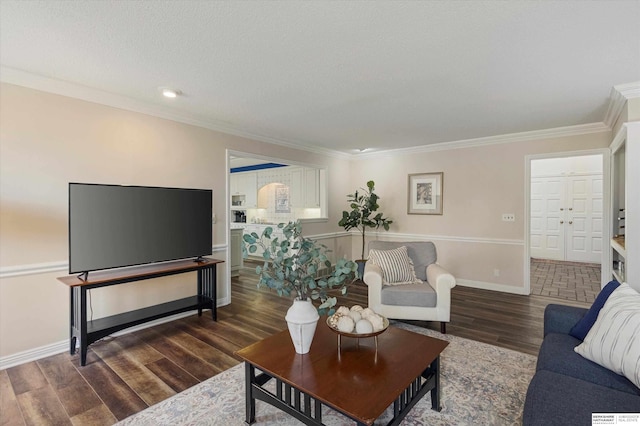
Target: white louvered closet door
[{"x": 567, "y": 218}]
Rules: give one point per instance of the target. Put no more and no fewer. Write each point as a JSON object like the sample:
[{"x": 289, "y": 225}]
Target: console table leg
[
  {"x": 72, "y": 322},
  {"x": 83, "y": 325},
  {"x": 250, "y": 376},
  {"x": 207, "y": 287}
]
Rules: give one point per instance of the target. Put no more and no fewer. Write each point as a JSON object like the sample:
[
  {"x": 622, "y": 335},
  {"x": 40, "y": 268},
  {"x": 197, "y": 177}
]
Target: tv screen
[{"x": 113, "y": 226}]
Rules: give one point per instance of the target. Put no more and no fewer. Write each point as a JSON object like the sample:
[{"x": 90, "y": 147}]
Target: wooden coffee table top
[{"x": 357, "y": 380}]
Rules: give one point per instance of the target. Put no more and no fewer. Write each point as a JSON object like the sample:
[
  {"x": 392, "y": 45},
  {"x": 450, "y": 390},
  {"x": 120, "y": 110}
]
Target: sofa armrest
[
  {"x": 439, "y": 278},
  {"x": 561, "y": 318}
]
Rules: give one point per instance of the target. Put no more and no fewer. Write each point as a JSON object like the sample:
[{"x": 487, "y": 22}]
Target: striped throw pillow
[
  {"x": 396, "y": 265},
  {"x": 614, "y": 340}
]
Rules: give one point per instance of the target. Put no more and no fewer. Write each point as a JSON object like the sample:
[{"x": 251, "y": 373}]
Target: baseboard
[
  {"x": 492, "y": 286},
  {"x": 63, "y": 346}
]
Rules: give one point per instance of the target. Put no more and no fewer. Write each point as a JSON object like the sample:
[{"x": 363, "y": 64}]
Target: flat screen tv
[{"x": 112, "y": 226}]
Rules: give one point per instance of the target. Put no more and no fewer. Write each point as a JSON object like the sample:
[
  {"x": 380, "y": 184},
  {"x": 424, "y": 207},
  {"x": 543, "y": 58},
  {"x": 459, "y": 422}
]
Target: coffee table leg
[
  {"x": 435, "y": 392},
  {"x": 250, "y": 377}
]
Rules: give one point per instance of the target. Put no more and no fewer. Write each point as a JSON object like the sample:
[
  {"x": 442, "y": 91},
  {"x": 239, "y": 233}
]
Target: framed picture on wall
[{"x": 425, "y": 193}]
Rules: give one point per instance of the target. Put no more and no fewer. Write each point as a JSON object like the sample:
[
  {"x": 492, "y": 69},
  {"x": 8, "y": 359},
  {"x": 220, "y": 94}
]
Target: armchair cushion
[
  {"x": 396, "y": 265},
  {"x": 417, "y": 294}
]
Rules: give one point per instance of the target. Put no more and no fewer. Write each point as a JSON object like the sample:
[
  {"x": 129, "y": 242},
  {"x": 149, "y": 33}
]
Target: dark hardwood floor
[{"x": 126, "y": 374}]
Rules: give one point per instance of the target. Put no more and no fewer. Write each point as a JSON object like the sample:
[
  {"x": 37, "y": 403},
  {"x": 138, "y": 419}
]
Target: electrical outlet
[{"x": 508, "y": 217}]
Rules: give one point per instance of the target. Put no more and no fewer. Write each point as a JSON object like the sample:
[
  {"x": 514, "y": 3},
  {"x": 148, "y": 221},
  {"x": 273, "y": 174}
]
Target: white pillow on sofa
[{"x": 614, "y": 340}]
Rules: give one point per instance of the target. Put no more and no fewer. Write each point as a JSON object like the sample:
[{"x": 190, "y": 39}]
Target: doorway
[{"x": 566, "y": 226}]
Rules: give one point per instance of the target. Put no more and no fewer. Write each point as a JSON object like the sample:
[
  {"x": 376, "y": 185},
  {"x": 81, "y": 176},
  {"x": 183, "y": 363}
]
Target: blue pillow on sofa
[{"x": 580, "y": 330}]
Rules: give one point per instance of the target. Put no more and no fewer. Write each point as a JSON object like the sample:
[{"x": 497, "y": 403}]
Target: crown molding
[
  {"x": 577, "y": 130},
  {"x": 620, "y": 94},
  {"x": 85, "y": 93}
]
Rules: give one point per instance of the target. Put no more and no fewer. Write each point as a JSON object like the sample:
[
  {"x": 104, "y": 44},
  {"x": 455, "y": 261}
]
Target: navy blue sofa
[{"x": 567, "y": 388}]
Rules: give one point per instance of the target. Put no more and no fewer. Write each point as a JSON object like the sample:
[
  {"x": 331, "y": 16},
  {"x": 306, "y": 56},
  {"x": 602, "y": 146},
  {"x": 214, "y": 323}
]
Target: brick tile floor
[{"x": 565, "y": 280}]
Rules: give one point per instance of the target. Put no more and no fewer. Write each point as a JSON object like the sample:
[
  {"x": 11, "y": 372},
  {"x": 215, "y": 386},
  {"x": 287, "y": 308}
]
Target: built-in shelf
[
  {"x": 617, "y": 243},
  {"x": 617, "y": 276}
]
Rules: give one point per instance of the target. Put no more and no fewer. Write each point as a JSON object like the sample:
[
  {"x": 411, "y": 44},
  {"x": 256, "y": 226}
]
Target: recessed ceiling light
[{"x": 168, "y": 92}]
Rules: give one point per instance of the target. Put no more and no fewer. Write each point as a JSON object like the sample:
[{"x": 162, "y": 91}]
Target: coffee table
[{"x": 356, "y": 380}]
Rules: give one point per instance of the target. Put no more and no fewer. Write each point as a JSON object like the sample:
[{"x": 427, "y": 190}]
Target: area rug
[{"x": 481, "y": 385}]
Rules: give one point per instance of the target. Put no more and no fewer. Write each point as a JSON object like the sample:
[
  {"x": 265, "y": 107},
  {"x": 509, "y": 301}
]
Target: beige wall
[
  {"x": 480, "y": 184},
  {"x": 47, "y": 141}
]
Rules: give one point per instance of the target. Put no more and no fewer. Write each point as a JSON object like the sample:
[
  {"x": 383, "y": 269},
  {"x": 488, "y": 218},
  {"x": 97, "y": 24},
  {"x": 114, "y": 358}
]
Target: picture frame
[
  {"x": 282, "y": 199},
  {"x": 425, "y": 193}
]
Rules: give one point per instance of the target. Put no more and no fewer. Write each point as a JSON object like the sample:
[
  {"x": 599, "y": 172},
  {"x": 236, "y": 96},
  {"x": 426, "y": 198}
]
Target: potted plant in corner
[
  {"x": 364, "y": 203},
  {"x": 293, "y": 266}
]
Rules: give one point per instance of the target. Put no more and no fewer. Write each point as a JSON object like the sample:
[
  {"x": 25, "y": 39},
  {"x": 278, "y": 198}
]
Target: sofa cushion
[
  {"x": 582, "y": 327},
  {"x": 396, "y": 265},
  {"x": 418, "y": 294},
  {"x": 614, "y": 339},
  {"x": 422, "y": 253},
  {"x": 557, "y": 400},
  {"x": 557, "y": 354}
]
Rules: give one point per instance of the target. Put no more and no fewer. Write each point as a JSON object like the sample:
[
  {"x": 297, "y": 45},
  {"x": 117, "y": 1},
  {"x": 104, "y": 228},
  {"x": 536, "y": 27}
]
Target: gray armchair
[{"x": 427, "y": 300}]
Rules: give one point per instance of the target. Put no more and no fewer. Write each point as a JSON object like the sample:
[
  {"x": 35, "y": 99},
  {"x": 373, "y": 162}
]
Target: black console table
[{"x": 91, "y": 331}]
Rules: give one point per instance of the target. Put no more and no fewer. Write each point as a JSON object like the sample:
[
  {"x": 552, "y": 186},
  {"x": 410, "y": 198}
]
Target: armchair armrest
[
  {"x": 372, "y": 277},
  {"x": 439, "y": 278},
  {"x": 561, "y": 318}
]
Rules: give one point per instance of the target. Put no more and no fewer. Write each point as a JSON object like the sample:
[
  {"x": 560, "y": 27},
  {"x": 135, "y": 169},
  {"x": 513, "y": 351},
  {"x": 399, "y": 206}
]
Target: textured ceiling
[{"x": 340, "y": 75}]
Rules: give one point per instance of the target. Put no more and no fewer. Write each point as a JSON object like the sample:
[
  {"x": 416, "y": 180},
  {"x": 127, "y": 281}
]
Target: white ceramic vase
[{"x": 302, "y": 318}]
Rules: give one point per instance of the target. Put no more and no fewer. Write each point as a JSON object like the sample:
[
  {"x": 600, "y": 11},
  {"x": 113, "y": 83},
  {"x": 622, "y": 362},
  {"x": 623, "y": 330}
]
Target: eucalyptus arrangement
[{"x": 291, "y": 266}]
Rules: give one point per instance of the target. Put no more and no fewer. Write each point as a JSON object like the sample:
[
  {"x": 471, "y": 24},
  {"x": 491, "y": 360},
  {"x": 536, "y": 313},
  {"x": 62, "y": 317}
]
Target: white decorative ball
[
  {"x": 346, "y": 324},
  {"x": 356, "y": 308},
  {"x": 343, "y": 310},
  {"x": 364, "y": 326},
  {"x": 333, "y": 320},
  {"x": 376, "y": 321},
  {"x": 367, "y": 312},
  {"x": 355, "y": 315}
]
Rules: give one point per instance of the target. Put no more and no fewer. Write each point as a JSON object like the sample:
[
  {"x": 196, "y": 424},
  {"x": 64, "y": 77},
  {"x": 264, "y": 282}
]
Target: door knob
[
  {"x": 561, "y": 222},
  {"x": 570, "y": 222},
  {"x": 570, "y": 208},
  {"x": 561, "y": 209}
]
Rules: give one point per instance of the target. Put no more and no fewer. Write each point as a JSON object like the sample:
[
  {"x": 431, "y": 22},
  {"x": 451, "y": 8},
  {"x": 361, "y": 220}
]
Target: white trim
[
  {"x": 33, "y": 269},
  {"x": 394, "y": 236},
  {"x": 58, "y": 266},
  {"x": 619, "y": 96},
  {"x": 619, "y": 139},
  {"x": 492, "y": 286},
  {"x": 77, "y": 91},
  {"x": 577, "y": 130}
]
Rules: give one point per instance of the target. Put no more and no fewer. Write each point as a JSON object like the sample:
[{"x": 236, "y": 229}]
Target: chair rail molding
[{"x": 57, "y": 266}]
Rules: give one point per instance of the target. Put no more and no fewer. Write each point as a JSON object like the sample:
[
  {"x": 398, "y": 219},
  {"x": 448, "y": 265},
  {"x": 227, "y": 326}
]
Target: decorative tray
[{"x": 385, "y": 324}]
